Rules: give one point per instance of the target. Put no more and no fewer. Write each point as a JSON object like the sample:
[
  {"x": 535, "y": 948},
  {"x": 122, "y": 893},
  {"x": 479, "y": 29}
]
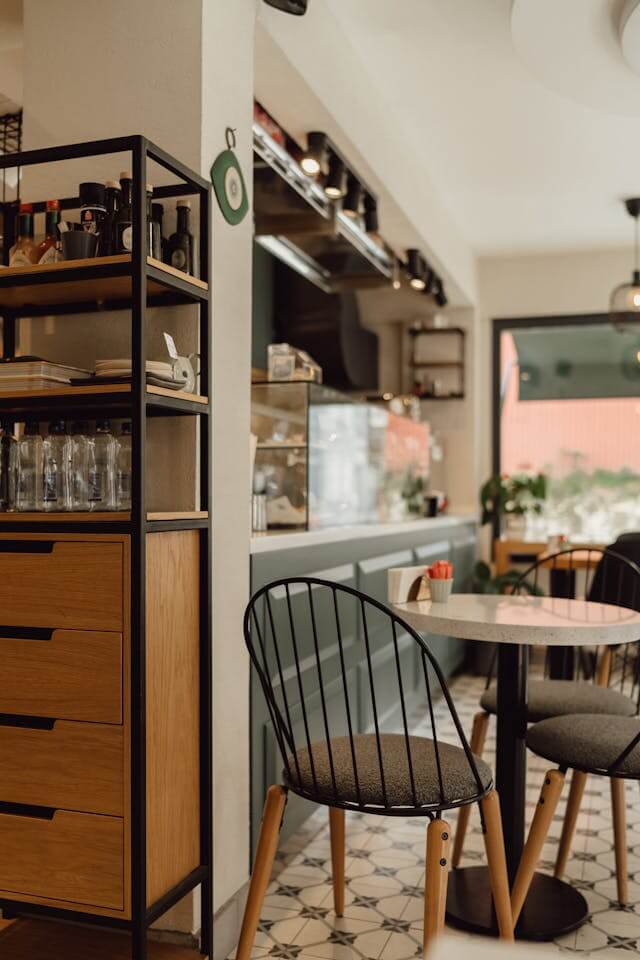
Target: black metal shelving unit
[
  {"x": 135, "y": 282},
  {"x": 456, "y": 363}
]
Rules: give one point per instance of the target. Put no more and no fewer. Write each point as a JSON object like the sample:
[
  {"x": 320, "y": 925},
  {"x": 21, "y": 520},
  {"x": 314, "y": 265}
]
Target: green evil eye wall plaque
[{"x": 228, "y": 183}]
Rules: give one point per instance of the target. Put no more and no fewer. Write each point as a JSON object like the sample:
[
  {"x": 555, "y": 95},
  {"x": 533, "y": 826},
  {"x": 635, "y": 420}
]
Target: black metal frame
[
  {"x": 138, "y": 405},
  {"x": 280, "y": 711},
  {"x": 500, "y": 325}
]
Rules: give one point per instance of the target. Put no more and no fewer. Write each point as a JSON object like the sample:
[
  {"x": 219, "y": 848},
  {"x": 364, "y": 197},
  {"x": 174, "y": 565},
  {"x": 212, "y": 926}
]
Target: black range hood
[
  {"x": 297, "y": 223},
  {"x": 328, "y": 327}
]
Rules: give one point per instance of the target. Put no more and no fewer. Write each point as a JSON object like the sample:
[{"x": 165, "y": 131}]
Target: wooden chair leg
[
  {"x": 478, "y": 737},
  {"x": 336, "y": 826},
  {"x": 620, "y": 836},
  {"x": 549, "y": 796},
  {"x": 435, "y": 888},
  {"x": 497, "y": 863},
  {"x": 262, "y": 866},
  {"x": 578, "y": 782}
]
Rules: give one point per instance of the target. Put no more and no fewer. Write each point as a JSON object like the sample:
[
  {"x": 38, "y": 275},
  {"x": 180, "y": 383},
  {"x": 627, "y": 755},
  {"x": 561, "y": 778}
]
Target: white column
[{"x": 179, "y": 73}]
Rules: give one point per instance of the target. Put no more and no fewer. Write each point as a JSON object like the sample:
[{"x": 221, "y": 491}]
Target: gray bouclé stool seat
[
  {"x": 591, "y": 743},
  {"x": 555, "y": 698}
]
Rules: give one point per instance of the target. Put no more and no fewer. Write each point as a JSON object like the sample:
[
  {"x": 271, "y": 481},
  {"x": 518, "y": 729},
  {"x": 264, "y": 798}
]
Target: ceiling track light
[
  {"x": 297, "y": 7},
  {"x": 314, "y": 158},
  {"x": 439, "y": 295},
  {"x": 371, "y": 220},
  {"x": 416, "y": 269},
  {"x": 624, "y": 304},
  {"x": 396, "y": 282},
  {"x": 352, "y": 203},
  {"x": 335, "y": 185}
]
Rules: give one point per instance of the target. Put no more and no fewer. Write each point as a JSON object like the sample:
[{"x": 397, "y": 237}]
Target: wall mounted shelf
[{"x": 455, "y": 387}]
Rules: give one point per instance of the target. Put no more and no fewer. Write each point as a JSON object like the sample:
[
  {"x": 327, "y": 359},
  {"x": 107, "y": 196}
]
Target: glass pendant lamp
[{"x": 624, "y": 305}]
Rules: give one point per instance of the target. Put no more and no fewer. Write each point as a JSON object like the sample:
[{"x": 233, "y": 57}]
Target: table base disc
[{"x": 552, "y": 907}]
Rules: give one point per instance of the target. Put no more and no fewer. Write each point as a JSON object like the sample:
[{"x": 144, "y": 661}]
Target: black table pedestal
[{"x": 552, "y": 906}]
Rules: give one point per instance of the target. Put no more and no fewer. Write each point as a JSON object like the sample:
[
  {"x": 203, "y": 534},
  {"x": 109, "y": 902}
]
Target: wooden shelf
[
  {"x": 94, "y": 281},
  {"x": 114, "y": 397},
  {"x": 424, "y": 365},
  {"x": 113, "y": 516},
  {"x": 39, "y": 939}
]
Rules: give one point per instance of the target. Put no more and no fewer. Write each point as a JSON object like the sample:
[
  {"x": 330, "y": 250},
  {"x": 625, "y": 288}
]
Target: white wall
[
  {"x": 178, "y": 73},
  {"x": 544, "y": 284}
]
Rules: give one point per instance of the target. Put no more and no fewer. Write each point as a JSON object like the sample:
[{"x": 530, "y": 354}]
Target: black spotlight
[
  {"x": 315, "y": 155},
  {"x": 416, "y": 269},
  {"x": 352, "y": 202},
  {"x": 336, "y": 183},
  {"x": 371, "y": 222},
  {"x": 297, "y": 7},
  {"x": 439, "y": 295}
]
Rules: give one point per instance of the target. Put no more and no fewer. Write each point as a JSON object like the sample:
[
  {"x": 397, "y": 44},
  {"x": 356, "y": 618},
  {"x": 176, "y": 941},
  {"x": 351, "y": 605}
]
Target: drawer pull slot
[
  {"x": 26, "y": 810},
  {"x": 31, "y": 723},
  {"x": 25, "y": 633},
  {"x": 26, "y": 546}
]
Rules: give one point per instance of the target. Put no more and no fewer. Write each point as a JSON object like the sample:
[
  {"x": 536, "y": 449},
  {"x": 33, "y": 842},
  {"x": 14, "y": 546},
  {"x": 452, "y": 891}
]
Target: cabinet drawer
[
  {"x": 73, "y": 675},
  {"x": 75, "y": 857},
  {"x": 74, "y": 766},
  {"x": 64, "y": 583}
]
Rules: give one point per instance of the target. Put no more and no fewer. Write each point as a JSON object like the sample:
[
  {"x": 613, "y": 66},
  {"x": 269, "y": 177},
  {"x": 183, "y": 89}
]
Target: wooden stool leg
[
  {"x": 549, "y": 796},
  {"x": 478, "y": 737},
  {"x": 497, "y": 863},
  {"x": 578, "y": 782},
  {"x": 435, "y": 888},
  {"x": 620, "y": 836},
  {"x": 336, "y": 825},
  {"x": 262, "y": 866}
]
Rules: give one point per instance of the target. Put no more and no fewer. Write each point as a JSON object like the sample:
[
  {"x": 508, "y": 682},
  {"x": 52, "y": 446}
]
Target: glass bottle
[
  {"x": 79, "y": 466},
  {"x": 180, "y": 244},
  {"x": 56, "y": 459},
  {"x": 24, "y": 252},
  {"x": 49, "y": 246},
  {"x": 158, "y": 242},
  {"x": 93, "y": 209},
  {"x": 30, "y": 469},
  {"x": 123, "y": 221},
  {"x": 112, "y": 202},
  {"x": 8, "y": 464},
  {"x": 102, "y": 450},
  {"x": 123, "y": 468}
]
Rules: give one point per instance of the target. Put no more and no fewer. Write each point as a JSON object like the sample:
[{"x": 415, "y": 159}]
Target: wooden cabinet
[{"x": 65, "y": 719}]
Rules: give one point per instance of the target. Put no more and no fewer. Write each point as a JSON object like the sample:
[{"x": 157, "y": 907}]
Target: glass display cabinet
[{"x": 324, "y": 460}]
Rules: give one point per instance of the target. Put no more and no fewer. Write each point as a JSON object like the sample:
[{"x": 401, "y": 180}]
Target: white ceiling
[{"x": 522, "y": 164}]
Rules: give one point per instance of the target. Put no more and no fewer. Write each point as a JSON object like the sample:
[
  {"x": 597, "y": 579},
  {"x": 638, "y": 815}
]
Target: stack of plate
[{"x": 159, "y": 373}]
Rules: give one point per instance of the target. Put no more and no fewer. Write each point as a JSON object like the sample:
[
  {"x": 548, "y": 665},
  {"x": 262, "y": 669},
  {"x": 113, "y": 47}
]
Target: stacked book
[{"x": 34, "y": 373}]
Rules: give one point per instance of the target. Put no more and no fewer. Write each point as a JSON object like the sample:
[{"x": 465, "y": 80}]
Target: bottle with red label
[
  {"x": 49, "y": 246},
  {"x": 24, "y": 252}
]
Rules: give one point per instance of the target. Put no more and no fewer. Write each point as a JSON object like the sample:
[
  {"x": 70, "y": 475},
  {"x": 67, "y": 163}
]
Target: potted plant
[{"x": 512, "y": 497}]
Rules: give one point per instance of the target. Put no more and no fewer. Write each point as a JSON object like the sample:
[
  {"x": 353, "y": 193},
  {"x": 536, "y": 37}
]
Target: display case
[{"x": 324, "y": 460}]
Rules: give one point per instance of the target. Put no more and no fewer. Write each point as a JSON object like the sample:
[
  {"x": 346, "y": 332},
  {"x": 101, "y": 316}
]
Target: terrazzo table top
[{"x": 547, "y": 621}]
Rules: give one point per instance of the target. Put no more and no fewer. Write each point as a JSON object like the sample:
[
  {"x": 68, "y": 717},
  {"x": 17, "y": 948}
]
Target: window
[{"x": 569, "y": 407}]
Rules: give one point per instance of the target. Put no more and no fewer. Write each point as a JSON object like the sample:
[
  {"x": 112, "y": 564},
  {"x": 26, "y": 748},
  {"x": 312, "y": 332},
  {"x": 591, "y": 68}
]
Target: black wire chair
[
  {"x": 605, "y": 680},
  {"x": 304, "y": 635}
]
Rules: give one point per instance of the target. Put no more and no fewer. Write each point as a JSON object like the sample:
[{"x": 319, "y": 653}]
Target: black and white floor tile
[{"x": 385, "y": 875}]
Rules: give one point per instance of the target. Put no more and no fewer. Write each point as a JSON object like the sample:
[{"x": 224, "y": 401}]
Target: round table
[{"x": 516, "y": 623}]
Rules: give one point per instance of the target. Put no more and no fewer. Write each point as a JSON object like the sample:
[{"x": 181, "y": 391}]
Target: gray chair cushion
[
  {"x": 588, "y": 742},
  {"x": 555, "y": 698},
  {"x": 458, "y": 779}
]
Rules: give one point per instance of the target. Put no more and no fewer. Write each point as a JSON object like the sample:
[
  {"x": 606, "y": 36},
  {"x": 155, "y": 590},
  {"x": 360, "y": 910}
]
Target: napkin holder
[{"x": 407, "y": 583}]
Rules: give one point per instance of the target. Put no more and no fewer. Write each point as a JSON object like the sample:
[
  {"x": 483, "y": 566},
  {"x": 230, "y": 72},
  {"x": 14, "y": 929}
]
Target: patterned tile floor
[{"x": 385, "y": 875}]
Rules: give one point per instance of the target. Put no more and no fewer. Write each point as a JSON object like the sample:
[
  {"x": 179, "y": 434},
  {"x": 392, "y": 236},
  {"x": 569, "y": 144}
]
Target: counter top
[{"x": 275, "y": 540}]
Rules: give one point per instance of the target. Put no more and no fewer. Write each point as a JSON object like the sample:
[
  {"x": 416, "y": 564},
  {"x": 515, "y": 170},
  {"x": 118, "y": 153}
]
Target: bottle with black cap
[
  {"x": 93, "y": 208},
  {"x": 180, "y": 246},
  {"x": 112, "y": 194}
]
